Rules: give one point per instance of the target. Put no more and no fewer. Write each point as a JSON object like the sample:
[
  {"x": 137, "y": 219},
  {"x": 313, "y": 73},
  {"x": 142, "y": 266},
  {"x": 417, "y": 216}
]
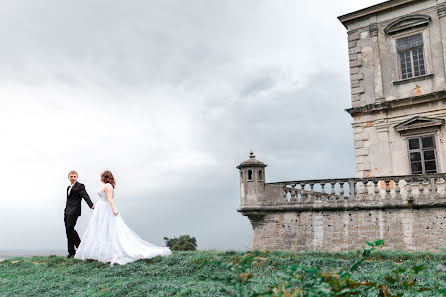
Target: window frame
[
  {"x": 421, "y": 150},
  {"x": 411, "y": 51},
  {"x": 397, "y": 75}
]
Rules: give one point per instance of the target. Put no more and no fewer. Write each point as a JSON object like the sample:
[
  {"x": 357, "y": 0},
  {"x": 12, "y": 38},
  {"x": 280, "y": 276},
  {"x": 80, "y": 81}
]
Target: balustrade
[{"x": 405, "y": 187}]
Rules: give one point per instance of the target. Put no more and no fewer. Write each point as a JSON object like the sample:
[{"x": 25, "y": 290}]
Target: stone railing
[
  {"x": 404, "y": 187},
  {"x": 427, "y": 190}
]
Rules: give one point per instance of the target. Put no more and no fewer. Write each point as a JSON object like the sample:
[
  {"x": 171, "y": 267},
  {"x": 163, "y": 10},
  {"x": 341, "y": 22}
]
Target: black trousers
[{"x": 72, "y": 236}]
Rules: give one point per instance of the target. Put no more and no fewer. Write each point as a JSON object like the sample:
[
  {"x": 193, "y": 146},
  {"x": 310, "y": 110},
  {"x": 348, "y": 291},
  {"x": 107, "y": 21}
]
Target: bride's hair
[{"x": 107, "y": 177}]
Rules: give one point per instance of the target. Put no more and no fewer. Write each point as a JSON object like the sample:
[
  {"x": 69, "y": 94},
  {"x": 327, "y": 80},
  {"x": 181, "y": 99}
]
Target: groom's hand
[{"x": 92, "y": 207}]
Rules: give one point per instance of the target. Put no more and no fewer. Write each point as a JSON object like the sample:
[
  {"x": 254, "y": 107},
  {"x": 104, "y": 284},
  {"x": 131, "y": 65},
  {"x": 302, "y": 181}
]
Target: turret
[{"x": 252, "y": 181}]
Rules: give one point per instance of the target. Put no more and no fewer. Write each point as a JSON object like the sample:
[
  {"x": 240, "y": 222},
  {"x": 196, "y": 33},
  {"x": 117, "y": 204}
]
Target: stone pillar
[
  {"x": 377, "y": 75},
  {"x": 383, "y": 156}
]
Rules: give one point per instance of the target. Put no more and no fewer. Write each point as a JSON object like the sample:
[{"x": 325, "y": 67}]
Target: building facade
[{"x": 397, "y": 54}]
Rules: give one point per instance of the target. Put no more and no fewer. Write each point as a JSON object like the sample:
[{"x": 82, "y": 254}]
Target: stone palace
[{"x": 397, "y": 54}]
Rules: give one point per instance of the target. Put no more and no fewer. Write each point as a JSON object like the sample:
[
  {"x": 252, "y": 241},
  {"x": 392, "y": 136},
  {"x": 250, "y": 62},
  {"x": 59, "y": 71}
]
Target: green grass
[{"x": 193, "y": 273}]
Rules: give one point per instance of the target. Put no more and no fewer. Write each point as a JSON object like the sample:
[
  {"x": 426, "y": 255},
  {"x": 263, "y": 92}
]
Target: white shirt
[{"x": 71, "y": 186}]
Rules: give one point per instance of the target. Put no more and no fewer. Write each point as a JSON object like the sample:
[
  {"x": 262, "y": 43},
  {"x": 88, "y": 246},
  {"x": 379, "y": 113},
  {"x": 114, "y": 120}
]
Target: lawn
[{"x": 210, "y": 273}]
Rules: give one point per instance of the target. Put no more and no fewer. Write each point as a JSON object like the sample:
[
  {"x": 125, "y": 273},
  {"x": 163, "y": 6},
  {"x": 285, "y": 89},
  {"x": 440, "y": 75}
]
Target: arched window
[
  {"x": 250, "y": 175},
  {"x": 260, "y": 175},
  {"x": 241, "y": 176}
]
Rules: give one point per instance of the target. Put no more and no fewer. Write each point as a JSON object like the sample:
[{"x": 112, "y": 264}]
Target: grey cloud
[{"x": 171, "y": 97}]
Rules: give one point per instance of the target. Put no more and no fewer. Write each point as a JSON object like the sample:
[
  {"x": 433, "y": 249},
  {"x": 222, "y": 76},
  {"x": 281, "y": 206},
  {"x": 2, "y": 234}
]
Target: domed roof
[{"x": 251, "y": 162}]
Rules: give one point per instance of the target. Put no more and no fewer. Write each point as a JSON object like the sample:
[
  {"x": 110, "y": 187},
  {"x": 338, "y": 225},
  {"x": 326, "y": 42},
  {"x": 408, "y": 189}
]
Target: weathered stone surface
[
  {"x": 362, "y": 151},
  {"x": 354, "y": 50},
  {"x": 363, "y": 166},
  {"x": 356, "y": 103},
  {"x": 358, "y": 90},
  {"x": 359, "y": 144},
  {"x": 354, "y": 70},
  {"x": 358, "y": 76},
  {"x": 355, "y": 84},
  {"x": 354, "y": 36},
  {"x": 356, "y": 98},
  {"x": 343, "y": 230},
  {"x": 353, "y": 57},
  {"x": 355, "y": 63},
  {"x": 361, "y": 136},
  {"x": 362, "y": 159}
]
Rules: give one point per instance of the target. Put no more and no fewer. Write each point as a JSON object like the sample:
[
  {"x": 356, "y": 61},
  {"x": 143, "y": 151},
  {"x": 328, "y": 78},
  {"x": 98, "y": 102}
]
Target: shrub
[{"x": 182, "y": 243}]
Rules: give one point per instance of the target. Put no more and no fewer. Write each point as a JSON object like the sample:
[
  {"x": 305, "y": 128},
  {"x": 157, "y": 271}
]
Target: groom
[{"x": 75, "y": 192}]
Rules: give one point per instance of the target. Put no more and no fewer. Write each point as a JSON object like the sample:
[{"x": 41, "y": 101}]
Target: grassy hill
[{"x": 213, "y": 273}]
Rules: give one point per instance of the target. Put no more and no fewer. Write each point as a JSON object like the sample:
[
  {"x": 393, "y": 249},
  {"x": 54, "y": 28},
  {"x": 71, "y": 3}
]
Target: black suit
[{"x": 72, "y": 212}]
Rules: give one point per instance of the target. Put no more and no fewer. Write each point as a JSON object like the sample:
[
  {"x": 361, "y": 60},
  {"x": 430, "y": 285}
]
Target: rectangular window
[
  {"x": 422, "y": 154},
  {"x": 411, "y": 56}
]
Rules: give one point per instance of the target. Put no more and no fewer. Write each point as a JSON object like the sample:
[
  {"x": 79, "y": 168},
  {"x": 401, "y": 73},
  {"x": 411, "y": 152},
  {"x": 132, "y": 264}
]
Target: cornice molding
[
  {"x": 398, "y": 103},
  {"x": 382, "y": 24},
  {"x": 391, "y": 4}
]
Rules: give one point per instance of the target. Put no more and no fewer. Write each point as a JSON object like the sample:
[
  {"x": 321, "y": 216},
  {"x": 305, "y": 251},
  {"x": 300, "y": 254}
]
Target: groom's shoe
[{"x": 70, "y": 256}]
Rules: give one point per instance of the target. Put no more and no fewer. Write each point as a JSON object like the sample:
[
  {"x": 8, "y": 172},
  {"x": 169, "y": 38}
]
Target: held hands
[{"x": 115, "y": 212}]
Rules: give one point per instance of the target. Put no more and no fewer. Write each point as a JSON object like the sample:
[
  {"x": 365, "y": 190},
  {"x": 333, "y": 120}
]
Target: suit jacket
[{"x": 73, "y": 206}]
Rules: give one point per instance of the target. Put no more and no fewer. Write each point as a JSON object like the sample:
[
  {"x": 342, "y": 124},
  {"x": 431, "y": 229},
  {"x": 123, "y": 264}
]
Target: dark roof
[{"x": 251, "y": 162}]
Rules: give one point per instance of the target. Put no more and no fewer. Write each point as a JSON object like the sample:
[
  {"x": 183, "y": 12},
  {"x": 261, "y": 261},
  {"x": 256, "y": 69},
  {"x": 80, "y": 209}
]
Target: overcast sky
[{"x": 170, "y": 96}]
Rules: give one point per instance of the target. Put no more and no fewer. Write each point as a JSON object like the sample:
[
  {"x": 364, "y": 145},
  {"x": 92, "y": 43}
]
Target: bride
[{"x": 108, "y": 238}]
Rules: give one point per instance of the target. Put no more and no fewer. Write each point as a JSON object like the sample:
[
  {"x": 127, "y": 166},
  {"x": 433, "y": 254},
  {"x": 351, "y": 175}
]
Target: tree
[{"x": 182, "y": 243}]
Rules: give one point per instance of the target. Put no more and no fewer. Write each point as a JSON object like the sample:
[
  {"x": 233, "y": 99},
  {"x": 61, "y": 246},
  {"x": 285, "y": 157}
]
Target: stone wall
[
  {"x": 406, "y": 229},
  {"x": 408, "y": 212}
]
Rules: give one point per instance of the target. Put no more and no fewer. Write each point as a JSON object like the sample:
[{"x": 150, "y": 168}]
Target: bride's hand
[{"x": 115, "y": 212}]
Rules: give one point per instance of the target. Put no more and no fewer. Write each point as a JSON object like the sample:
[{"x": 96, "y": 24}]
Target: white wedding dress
[{"x": 109, "y": 239}]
